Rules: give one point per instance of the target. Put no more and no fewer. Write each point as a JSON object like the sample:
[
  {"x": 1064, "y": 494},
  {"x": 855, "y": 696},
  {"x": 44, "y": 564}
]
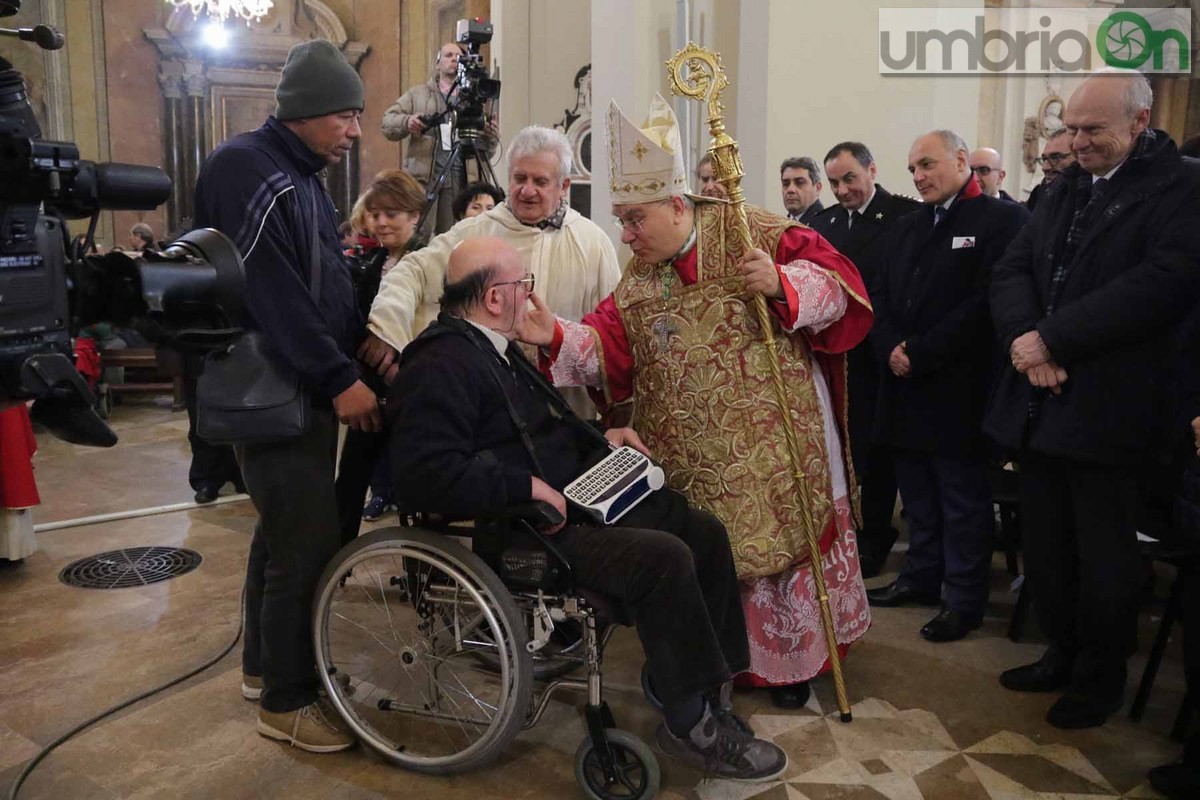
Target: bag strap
[
  {"x": 490, "y": 358},
  {"x": 556, "y": 401},
  {"x": 314, "y": 254}
]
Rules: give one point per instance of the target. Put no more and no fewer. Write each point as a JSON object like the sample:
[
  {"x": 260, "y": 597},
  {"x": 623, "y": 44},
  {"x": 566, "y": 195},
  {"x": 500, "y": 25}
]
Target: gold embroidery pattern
[
  {"x": 646, "y": 187},
  {"x": 706, "y": 407}
]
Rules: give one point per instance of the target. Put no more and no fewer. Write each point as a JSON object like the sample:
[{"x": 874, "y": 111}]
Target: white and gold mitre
[{"x": 646, "y": 164}]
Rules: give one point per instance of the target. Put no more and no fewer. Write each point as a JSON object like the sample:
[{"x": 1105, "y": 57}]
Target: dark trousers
[
  {"x": 948, "y": 503},
  {"x": 877, "y": 476},
  {"x": 872, "y": 462},
  {"x": 212, "y": 464},
  {"x": 681, "y": 589},
  {"x": 1191, "y": 654},
  {"x": 1079, "y": 535},
  {"x": 361, "y": 455},
  {"x": 291, "y": 484}
]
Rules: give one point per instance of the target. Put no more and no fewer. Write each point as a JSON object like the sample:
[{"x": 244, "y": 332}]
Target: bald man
[
  {"x": 989, "y": 169},
  {"x": 1086, "y": 303},
  {"x": 463, "y": 393},
  {"x": 933, "y": 332}
]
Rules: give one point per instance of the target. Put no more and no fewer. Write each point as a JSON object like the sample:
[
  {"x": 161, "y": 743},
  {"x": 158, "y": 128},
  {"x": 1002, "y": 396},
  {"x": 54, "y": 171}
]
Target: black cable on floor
[{"x": 45, "y": 751}]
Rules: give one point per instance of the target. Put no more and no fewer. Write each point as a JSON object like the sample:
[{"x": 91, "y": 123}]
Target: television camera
[
  {"x": 186, "y": 297},
  {"x": 474, "y": 85}
]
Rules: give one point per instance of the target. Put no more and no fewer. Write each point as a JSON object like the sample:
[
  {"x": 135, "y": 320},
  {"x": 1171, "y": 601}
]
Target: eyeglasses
[
  {"x": 529, "y": 280},
  {"x": 984, "y": 171},
  {"x": 1053, "y": 159},
  {"x": 635, "y": 224}
]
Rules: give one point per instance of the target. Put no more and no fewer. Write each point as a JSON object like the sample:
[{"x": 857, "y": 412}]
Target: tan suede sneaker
[
  {"x": 252, "y": 686},
  {"x": 315, "y": 728}
]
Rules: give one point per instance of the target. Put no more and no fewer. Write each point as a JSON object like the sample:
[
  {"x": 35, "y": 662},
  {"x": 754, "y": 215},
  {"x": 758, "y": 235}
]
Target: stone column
[
  {"x": 170, "y": 78},
  {"x": 196, "y": 122}
]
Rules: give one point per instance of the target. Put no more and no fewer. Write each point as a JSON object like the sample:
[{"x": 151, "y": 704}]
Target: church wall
[
  {"x": 539, "y": 46},
  {"x": 1018, "y": 99},
  {"x": 377, "y": 24},
  {"x": 822, "y": 85},
  {"x": 631, "y": 40},
  {"x": 1006, "y": 103},
  {"x": 135, "y": 105},
  {"x": 111, "y": 105}
]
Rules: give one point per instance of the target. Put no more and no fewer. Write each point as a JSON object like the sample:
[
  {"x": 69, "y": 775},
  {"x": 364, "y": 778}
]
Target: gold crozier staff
[{"x": 697, "y": 73}]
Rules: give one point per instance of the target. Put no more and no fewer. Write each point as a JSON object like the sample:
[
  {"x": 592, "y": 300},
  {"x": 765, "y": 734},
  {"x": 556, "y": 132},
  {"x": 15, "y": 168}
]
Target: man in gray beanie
[{"x": 263, "y": 190}]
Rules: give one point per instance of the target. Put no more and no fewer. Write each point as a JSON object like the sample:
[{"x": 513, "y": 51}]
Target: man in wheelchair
[{"x": 476, "y": 429}]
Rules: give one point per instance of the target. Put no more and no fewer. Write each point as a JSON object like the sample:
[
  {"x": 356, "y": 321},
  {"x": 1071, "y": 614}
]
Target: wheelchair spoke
[
  {"x": 387, "y": 612},
  {"x": 363, "y": 589}
]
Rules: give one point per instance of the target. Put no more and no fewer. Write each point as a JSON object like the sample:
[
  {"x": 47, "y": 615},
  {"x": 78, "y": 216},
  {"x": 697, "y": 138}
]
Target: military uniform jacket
[{"x": 861, "y": 242}]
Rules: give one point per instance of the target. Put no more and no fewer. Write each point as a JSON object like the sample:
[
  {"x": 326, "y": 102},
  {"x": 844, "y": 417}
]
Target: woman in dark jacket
[{"x": 392, "y": 204}]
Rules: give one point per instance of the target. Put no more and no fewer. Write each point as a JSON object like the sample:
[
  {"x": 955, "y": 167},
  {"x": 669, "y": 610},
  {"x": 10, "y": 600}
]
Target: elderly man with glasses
[
  {"x": 476, "y": 429},
  {"x": 1087, "y": 303},
  {"x": 679, "y": 344}
]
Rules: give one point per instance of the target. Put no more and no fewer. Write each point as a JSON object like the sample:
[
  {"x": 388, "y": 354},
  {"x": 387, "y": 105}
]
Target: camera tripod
[{"x": 465, "y": 146}]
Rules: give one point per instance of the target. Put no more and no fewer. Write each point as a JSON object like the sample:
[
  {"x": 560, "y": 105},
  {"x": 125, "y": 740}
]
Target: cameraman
[{"x": 431, "y": 137}]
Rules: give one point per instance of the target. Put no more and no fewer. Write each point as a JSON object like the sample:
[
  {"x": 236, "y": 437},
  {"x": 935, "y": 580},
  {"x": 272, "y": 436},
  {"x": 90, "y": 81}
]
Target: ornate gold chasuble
[{"x": 703, "y": 400}]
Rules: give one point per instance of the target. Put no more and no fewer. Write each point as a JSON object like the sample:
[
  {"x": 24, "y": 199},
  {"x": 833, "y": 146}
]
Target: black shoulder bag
[{"x": 244, "y": 396}]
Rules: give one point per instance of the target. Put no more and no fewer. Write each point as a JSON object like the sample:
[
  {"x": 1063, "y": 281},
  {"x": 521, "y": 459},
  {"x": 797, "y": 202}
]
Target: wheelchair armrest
[
  {"x": 534, "y": 512},
  {"x": 530, "y": 517}
]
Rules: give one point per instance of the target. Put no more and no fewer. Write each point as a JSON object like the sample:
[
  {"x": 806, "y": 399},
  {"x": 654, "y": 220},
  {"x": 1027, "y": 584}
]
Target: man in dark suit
[
  {"x": 857, "y": 227},
  {"x": 933, "y": 329},
  {"x": 800, "y": 180},
  {"x": 1086, "y": 304}
]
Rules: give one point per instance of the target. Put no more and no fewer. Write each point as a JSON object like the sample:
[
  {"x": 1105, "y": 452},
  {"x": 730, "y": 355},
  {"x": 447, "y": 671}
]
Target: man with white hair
[
  {"x": 933, "y": 333},
  {"x": 678, "y": 345},
  {"x": 1087, "y": 303},
  {"x": 571, "y": 258}
]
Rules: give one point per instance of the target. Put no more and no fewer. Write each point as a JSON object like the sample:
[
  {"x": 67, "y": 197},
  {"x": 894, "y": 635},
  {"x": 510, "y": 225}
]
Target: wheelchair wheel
[
  {"x": 648, "y": 688},
  {"x": 403, "y": 612},
  {"x": 637, "y": 770}
]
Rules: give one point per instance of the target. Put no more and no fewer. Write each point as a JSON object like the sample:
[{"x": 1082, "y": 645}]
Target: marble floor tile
[{"x": 930, "y": 721}]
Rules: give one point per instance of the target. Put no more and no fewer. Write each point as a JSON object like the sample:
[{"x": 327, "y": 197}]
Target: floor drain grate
[{"x": 133, "y": 566}]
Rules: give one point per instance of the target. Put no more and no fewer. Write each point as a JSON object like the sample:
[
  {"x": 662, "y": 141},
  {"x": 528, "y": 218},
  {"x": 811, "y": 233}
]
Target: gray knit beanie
[{"x": 316, "y": 80}]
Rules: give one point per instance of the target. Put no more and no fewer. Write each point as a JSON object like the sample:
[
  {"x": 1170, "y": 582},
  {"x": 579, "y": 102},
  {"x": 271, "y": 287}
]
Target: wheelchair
[{"x": 437, "y": 656}]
